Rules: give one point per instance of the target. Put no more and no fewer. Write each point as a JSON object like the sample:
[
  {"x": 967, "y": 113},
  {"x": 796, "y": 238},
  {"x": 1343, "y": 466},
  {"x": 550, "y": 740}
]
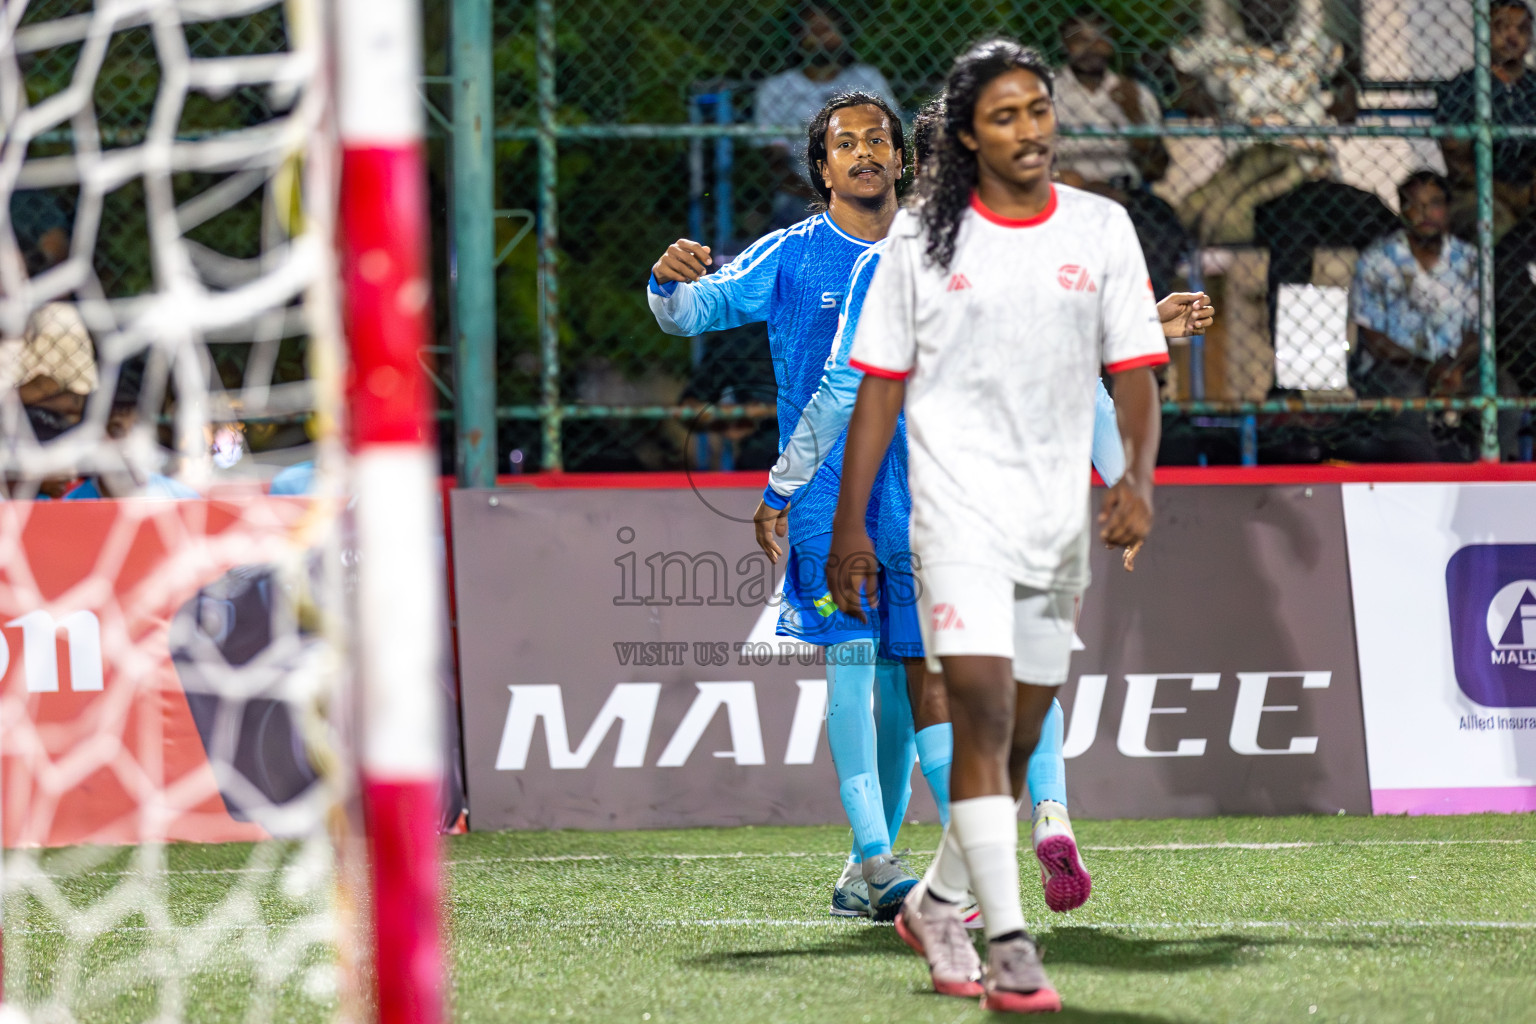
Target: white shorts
[{"x": 969, "y": 609}]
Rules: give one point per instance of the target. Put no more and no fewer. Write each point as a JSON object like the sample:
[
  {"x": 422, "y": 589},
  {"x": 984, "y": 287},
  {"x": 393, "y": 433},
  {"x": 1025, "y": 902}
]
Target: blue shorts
[{"x": 809, "y": 614}]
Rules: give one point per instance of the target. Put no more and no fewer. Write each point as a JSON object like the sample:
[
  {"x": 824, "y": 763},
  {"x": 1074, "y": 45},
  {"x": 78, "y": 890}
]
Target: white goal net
[{"x": 181, "y": 797}]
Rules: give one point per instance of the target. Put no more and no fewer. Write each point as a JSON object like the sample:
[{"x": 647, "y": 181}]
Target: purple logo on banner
[{"x": 1491, "y": 589}]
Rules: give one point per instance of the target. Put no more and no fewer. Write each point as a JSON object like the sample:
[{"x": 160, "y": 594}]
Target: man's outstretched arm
[{"x": 687, "y": 300}]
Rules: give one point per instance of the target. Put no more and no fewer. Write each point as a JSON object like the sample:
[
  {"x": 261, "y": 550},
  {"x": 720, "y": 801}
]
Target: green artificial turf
[
  {"x": 1382, "y": 923},
  {"x": 1369, "y": 920}
]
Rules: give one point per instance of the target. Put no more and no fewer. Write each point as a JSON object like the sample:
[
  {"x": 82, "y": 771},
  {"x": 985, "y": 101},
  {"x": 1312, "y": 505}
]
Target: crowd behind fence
[{"x": 1349, "y": 179}]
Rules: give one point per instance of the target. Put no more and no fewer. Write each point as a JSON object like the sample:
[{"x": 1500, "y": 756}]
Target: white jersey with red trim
[{"x": 1000, "y": 351}]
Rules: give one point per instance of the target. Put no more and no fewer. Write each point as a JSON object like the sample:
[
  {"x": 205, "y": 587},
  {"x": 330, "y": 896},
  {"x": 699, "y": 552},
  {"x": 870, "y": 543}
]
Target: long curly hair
[
  {"x": 949, "y": 178},
  {"x": 925, "y": 126}
]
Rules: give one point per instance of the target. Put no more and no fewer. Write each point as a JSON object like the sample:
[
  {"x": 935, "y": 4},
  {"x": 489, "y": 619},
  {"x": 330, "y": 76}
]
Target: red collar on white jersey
[{"x": 1014, "y": 222}]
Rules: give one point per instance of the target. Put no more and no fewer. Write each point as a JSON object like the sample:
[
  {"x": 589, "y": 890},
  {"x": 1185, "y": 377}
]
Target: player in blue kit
[
  {"x": 815, "y": 450},
  {"x": 794, "y": 280}
]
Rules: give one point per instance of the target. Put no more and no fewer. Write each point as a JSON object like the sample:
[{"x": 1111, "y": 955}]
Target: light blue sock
[
  {"x": 1047, "y": 777},
  {"x": 895, "y": 750},
  {"x": 935, "y": 749},
  {"x": 851, "y": 737}
]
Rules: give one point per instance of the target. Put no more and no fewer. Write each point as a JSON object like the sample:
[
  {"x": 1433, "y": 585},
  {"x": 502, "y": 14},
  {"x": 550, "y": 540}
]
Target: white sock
[
  {"x": 989, "y": 834},
  {"x": 947, "y": 876}
]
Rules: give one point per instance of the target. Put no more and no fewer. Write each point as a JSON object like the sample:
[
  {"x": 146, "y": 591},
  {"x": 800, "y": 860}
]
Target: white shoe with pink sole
[{"x": 1062, "y": 873}]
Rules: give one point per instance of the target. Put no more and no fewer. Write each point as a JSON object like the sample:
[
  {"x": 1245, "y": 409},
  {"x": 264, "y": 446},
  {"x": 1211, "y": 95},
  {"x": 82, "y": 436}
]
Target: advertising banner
[
  {"x": 101, "y": 742},
  {"x": 157, "y": 671},
  {"x": 1225, "y": 664},
  {"x": 1444, "y": 583},
  {"x": 619, "y": 667}
]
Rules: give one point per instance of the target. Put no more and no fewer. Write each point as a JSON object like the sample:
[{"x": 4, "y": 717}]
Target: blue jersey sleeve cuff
[
  {"x": 773, "y": 499},
  {"x": 664, "y": 290}
]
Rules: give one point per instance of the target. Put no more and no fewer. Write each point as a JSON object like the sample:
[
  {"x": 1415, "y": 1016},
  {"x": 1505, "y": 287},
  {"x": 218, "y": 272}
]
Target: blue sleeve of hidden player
[{"x": 1108, "y": 454}]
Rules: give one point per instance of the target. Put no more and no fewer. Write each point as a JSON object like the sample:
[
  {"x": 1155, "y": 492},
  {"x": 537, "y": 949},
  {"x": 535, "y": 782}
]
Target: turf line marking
[
  {"x": 793, "y": 854},
  {"x": 243, "y": 926},
  {"x": 1159, "y": 925},
  {"x": 56, "y": 876},
  {"x": 1137, "y": 848},
  {"x": 1304, "y": 845},
  {"x": 750, "y": 922},
  {"x": 565, "y": 858},
  {"x": 828, "y": 922}
]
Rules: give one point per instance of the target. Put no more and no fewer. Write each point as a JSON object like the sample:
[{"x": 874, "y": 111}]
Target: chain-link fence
[
  {"x": 1261, "y": 149},
  {"x": 1315, "y": 165}
]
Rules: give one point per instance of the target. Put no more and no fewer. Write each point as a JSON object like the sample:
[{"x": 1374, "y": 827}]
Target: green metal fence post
[
  {"x": 1482, "y": 61},
  {"x": 549, "y": 238},
  {"x": 474, "y": 235}
]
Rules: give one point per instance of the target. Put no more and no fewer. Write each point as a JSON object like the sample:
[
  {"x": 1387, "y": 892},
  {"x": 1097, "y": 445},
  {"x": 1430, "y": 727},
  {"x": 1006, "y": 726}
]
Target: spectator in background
[
  {"x": 1283, "y": 69},
  {"x": 1090, "y": 95},
  {"x": 1514, "y": 303},
  {"x": 1415, "y": 298},
  {"x": 129, "y": 481},
  {"x": 295, "y": 480},
  {"x": 827, "y": 69},
  {"x": 41, "y": 219},
  {"x": 52, "y": 365},
  {"x": 1274, "y": 66},
  {"x": 1514, "y": 103}
]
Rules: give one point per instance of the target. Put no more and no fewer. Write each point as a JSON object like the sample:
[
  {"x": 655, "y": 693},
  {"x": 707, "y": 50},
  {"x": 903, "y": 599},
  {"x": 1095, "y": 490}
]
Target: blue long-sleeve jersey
[
  {"x": 814, "y": 452},
  {"x": 794, "y": 279}
]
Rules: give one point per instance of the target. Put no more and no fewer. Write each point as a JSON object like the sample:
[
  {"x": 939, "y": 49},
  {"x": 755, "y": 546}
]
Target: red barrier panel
[{"x": 1333, "y": 473}]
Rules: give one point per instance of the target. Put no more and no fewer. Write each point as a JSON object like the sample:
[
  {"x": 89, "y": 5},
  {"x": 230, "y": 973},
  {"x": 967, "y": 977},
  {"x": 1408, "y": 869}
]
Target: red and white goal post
[{"x": 221, "y": 716}]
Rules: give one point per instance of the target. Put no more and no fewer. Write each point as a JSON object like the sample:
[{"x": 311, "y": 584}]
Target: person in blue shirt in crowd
[
  {"x": 793, "y": 280},
  {"x": 813, "y": 453},
  {"x": 295, "y": 480}
]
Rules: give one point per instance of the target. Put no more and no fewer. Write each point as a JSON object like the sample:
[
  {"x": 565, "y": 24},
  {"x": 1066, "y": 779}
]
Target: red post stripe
[
  {"x": 407, "y": 886},
  {"x": 383, "y": 243},
  {"x": 384, "y": 246}
]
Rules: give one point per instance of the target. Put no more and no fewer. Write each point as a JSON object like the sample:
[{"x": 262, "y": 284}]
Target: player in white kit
[{"x": 998, "y": 299}]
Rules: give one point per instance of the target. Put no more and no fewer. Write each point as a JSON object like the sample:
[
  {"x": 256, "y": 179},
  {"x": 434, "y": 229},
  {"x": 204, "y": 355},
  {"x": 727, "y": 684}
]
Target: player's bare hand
[
  {"x": 1126, "y": 517},
  {"x": 770, "y": 522},
  {"x": 684, "y": 260},
  {"x": 852, "y": 570},
  {"x": 1185, "y": 313}
]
